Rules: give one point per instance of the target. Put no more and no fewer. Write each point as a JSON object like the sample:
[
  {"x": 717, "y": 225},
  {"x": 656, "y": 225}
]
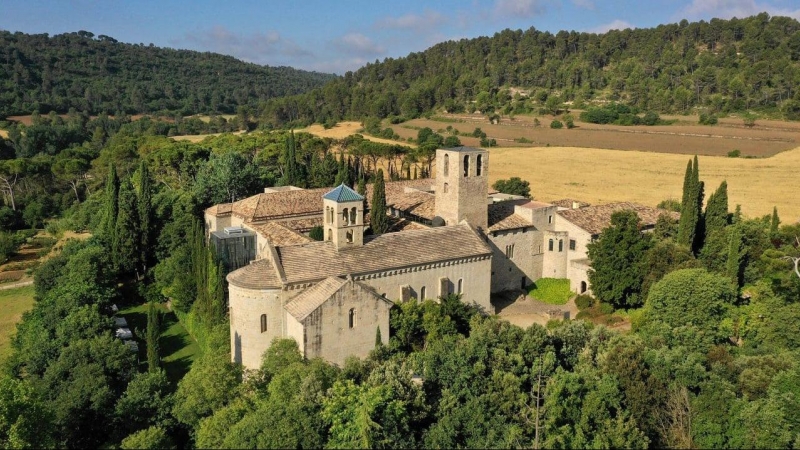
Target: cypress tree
[
  {"x": 153, "y": 359},
  {"x": 290, "y": 172},
  {"x": 378, "y": 338},
  {"x": 125, "y": 251},
  {"x": 341, "y": 172},
  {"x": 775, "y": 222},
  {"x": 691, "y": 209},
  {"x": 733, "y": 264},
  {"x": 716, "y": 217},
  {"x": 377, "y": 214},
  {"x": 145, "y": 209},
  {"x": 199, "y": 268},
  {"x": 362, "y": 187},
  {"x": 215, "y": 297},
  {"x": 687, "y": 183},
  {"x": 110, "y": 214}
]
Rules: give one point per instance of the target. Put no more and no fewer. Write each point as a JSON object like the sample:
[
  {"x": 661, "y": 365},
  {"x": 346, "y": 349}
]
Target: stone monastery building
[{"x": 447, "y": 235}]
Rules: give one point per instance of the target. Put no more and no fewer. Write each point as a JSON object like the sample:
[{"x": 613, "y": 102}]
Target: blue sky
[{"x": 333, "y": 36}]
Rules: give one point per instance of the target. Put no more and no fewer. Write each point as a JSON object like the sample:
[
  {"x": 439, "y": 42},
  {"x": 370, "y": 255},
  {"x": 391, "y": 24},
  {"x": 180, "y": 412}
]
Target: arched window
[
  {"x": 446, "y": 168},
  {"x": 263, "y": 323},
  {"x": 550, "y": 245},
  {"x": 446, "y": 188},
  {"x": 330, "y": 234},
  {"x": 353, "y": 215},
  {"x": 560, "y": 245},
  {"x": 460, "y": 286},
  {"x": 349, "y": 237},
  {"x": 351, "y": 318},
  {"x": 478, "y": 165},
  {"x": 422, "y": 293},
  {"x": 583, "y": 287},
  {"x": 330, "y": 215},
  {"x": 466, "y": 166},
  {"x": 344, "y": 216}
]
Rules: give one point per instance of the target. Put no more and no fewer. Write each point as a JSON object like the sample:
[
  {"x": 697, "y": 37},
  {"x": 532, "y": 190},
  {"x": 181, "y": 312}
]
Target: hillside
[
  {"x": 97, "y": 74},
  {"x": 721, "y": 65}
]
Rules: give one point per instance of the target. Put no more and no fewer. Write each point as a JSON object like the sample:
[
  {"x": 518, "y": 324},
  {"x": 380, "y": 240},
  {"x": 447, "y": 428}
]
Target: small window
[
  {"x": 344, "y": 216},
  {"x": 549, "y": 219},
  {"x": 349, "y": 237},
  {"x": 466, "y": 166},
  {"x": 446, "y": 188},
  {"x": 422, "y": 293},
  {"x": 478, "y": 164},
  {"x": 351, "y": 318},
  {"x": 353, "y": 215},
  {"x": 460, "y": 286},
  {"x": 510, "y": 251},
  {"x": 263, "y": 323},
  {"x": 572, "y": 244},
  {"x": 540, "y": 249},
  {"x": 560, "y": 245},
  {"x": 330, "y": 234},
  {"x": 446, "y": 168},
  {"x": 550, "y": 245},
  {"x": 583, "y": 287}
]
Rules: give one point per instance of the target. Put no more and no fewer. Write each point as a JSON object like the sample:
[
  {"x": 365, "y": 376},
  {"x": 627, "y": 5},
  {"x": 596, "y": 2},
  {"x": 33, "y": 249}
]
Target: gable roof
[
  {"x": 502, "y": 216},
  {"x": 595, "y": 219},
  {"x": 342, "y": 194},
  {"x": 312, "y": 298},
  {"x": 319, "y": 260},
  {"x": 279, "y": 234}
]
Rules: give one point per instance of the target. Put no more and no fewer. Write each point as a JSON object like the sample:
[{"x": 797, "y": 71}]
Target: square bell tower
[
  {"x": 462, "y": 186},
  {"x": 343, "y": 220}
]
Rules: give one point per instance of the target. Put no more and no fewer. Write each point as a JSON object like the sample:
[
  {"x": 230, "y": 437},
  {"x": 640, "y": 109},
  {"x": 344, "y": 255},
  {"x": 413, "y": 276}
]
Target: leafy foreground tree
[
  {"x": 618, "y": 257},
  {"x": 513, "y": 186}
]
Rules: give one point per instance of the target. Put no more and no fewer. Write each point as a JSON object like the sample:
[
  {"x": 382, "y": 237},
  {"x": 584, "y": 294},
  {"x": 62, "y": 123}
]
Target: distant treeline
[
  {"x": 100, "y": 74},
  {"x": 721, "y": 65}
]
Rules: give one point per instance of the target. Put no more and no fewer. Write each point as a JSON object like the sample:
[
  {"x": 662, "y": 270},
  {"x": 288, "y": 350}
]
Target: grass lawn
[
  {"x": 554, "y": 291},
  {"x": 13, "y": 302},
  {"x": 177, "y": 348}
]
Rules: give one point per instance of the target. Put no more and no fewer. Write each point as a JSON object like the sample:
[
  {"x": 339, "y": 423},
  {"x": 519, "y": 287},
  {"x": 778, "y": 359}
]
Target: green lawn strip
[
  {"x": 177, "y": 349},
  {"x": 13, "y": 302},
  {"x": 553, "y": 291}
]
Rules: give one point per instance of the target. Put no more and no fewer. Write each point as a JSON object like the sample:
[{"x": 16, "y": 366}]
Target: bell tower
[
  {"x": 343, "y": 220},
  {"x": 462, "y": 186}
]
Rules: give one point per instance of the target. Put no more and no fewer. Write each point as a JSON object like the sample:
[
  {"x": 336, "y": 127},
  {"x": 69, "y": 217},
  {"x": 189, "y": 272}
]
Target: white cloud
[
  {"x": 586, "y": 4},
  {"x": 425, "y": 21},
  {"x": 262, "y": 47},
  {"x": 613, "y": 25},
  {"x": 518, "y": 8},
  {"x": 725, "y": 9},
  {"x": 359, "y": 45}
]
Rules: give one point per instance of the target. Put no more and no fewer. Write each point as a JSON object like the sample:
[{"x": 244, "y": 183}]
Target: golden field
[
  {"x": 4, "y": 134},
  {"x": 600, "y": 176}
]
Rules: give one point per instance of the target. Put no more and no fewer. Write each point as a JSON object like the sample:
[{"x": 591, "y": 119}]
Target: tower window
[
  {"x": 466, "y": 166},
  {"x": 330, "y": 234},
  {"x": 460, "y": 286},
  {"x": 344, "y": 216},
  {"x": 572, "y": 244},
  {"x": 446, "y": 188},
  {"x": 446, "y": 168},
  {"x": 263, "y": 323},
  {"x": 422, "y": 293},
  {"x": 478, "y": 165},
  {"x": 560, "y": 245},
  {"x": 349, "y": 237},
  {"x": 550, "y": 245},
  {"x": 351, "y": 318},
  {"x": 549, "y": 219},
  {"x": 353, "y": 215}
]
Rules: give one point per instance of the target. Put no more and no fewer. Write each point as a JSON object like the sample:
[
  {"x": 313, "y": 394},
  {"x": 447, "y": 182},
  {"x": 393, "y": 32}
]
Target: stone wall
[
  {"x": 248, "y": 342},
  {"x": 522, "y": 261}
]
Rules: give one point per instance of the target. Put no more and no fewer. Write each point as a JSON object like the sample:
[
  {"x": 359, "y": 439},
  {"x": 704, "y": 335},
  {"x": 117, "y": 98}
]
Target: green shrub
[
  {"x": 556, "y": 124},
  {"x": 606, "y": 308},
  {"x": 707, "y": 119},
  {"x": 583, "y": 315},
  {"x": 584, "y": 301},
  {"x": 734, "y": 153},
  {"x": 569, "y": 121}
]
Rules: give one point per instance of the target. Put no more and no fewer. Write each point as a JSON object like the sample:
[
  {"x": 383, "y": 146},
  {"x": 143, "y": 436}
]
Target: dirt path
[{"x": 15, "y": 285}]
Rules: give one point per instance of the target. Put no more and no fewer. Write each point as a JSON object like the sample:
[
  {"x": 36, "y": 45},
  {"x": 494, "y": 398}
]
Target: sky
[{"x": 338, "y": 36}]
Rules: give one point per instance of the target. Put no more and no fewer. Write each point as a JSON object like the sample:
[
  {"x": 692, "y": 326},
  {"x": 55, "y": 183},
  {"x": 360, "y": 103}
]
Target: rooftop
[
  {"x": 569, "y": 203},
  {"x": 342, "y": 194},
  {"x": 259, "y": 274},
  {"x": 279, "y": 234},
  {"x": 312, "y": 298},
  {"x": 502, "y": 216},
  {"x": 595, "y": 219},
  {"x": 318, "y": 260},
  {"x": 464, "y": 149}
]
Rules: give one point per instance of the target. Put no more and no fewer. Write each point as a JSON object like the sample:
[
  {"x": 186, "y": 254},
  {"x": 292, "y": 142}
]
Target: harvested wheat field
[
  {"x": 195, "y": 138},
  {"x": 344, "y": 129},
  {"x": 601, "y": 175},
  {"x": 4, "y": 134}
]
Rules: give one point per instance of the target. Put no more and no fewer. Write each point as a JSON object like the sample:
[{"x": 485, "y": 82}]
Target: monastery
[{"x": 448, "y": 235}]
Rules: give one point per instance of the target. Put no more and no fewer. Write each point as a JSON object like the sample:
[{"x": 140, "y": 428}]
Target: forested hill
[
  {"x": 99, "y": 74},
  {"x": 723, "y": 65}
]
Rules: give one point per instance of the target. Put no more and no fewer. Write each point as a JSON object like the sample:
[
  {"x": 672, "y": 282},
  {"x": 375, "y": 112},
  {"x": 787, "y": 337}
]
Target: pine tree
[
  {"x": 716, "y": 217},
  {"x": 145, "y": 209},
  {"x": 733, "y": 265},
  {"x": 110, "y": 214},
  {"x": 377, "y": 214},
  {"x": 775, "y": 222},
  {"x": 151, "y": 338},
  {"x": 125, "y": 250}
]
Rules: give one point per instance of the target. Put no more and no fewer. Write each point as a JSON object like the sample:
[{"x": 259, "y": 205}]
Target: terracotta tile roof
[
  {"x": 418, "y": 203},
  {"x": 278, "y": 234},
  {"x": 569, "y": 203},
  {"x": 318, "y": 260},
  {"x": 259, "y": 274},
  {"x": 302, "y": 225},
  {"x": 396, "y": 224},
  {"x": 223, "y": 209},
  {"x": 595, "y": 219},
  {"x": 502, "y": 217},
  {"x": 396, "y": 190},
  {"x": 533, "y": 204},
  {"x": 312, "y": 298}
]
